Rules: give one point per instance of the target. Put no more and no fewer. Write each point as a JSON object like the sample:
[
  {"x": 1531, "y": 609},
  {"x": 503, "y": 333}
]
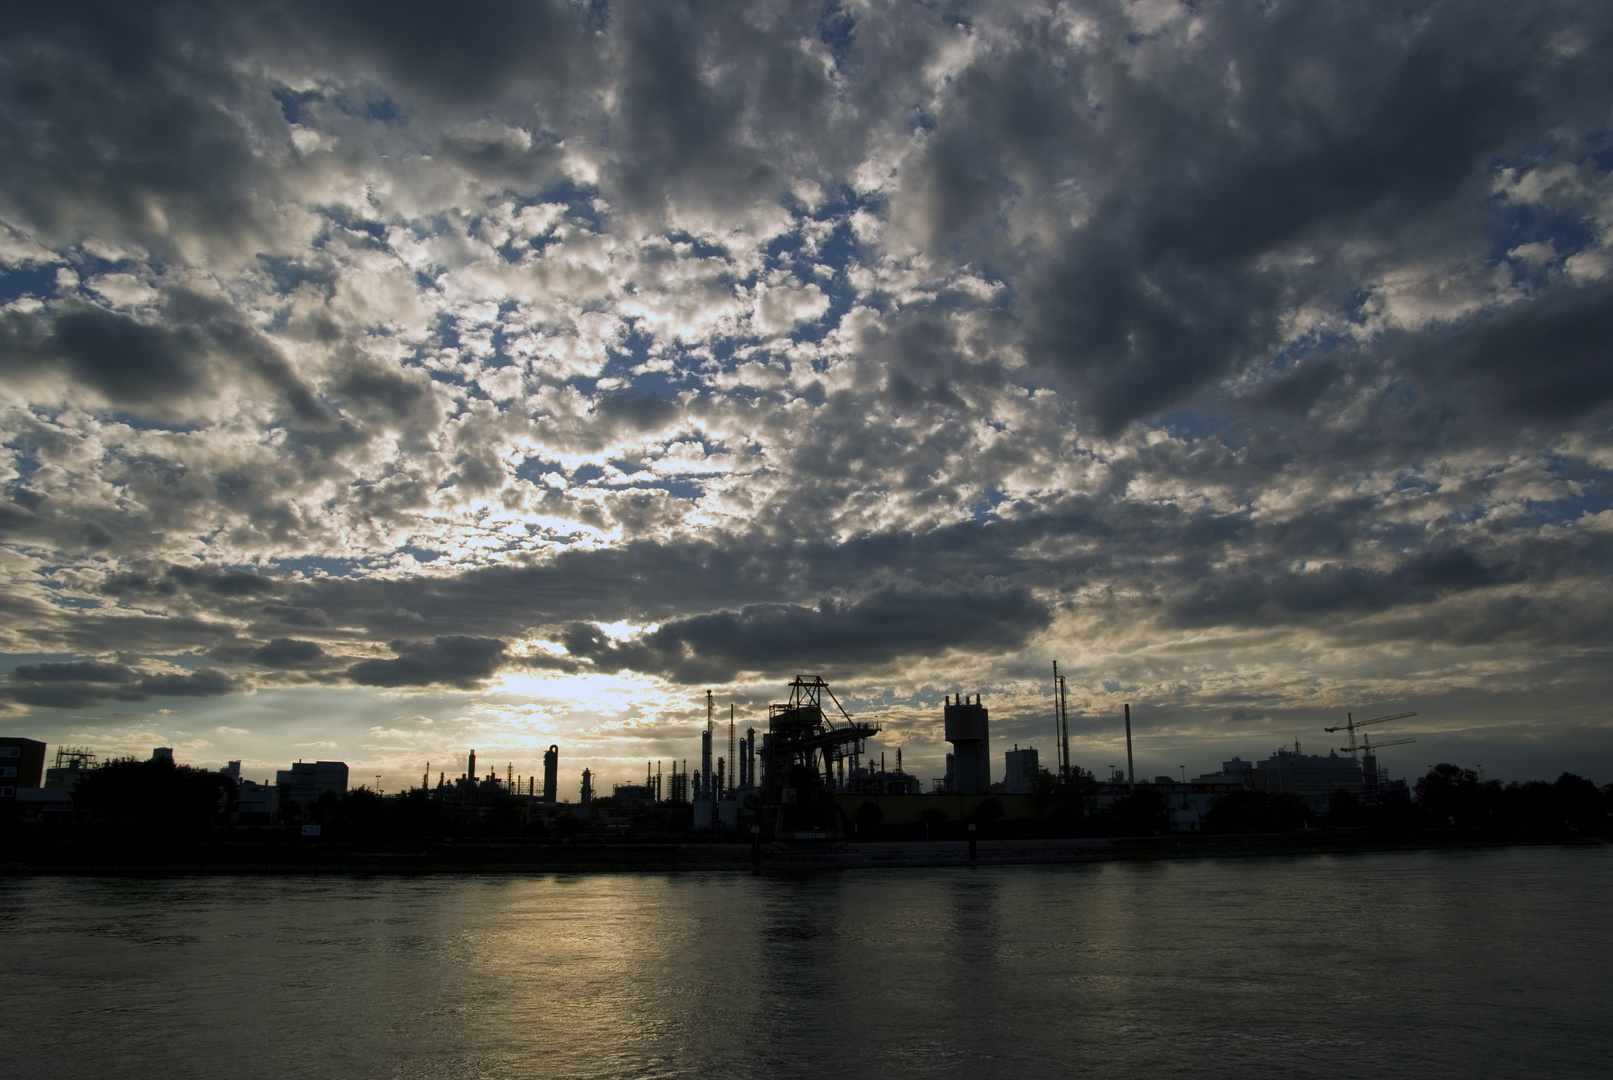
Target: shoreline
[{"x": 220, "y": 859}]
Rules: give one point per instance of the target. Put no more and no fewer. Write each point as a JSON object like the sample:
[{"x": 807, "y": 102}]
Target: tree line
[{"x": 161, "y": 799}]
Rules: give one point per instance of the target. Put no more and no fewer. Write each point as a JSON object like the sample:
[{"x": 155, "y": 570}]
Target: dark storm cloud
[
  {"x": 774, "y": 638},
  {"x": 457, "y": 660}
]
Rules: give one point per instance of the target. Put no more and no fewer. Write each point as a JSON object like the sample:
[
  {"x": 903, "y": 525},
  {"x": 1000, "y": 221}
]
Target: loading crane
[
  {"x": 799, "y": 751},
  {"x": 1352, "y": 725}
]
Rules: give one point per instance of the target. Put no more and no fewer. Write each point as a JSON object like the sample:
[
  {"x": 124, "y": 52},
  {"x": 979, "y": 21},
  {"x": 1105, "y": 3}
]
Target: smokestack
[
  {"x": 1064, "y": 721},
  {"x": 471, "y": 772},
  {"x": 1062, "y": 764},
  {"x": 705, "y": 763},
  {"x": 1131, "y": 771}
]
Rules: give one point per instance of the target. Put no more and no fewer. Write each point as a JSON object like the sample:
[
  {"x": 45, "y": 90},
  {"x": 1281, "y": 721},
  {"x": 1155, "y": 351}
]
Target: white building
[
  {"x": 306, "y": 781},
  {"x": 1021, "y": 769}
]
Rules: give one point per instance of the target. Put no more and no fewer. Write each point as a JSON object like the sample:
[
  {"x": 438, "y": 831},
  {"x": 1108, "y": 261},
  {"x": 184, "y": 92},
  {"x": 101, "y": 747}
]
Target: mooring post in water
[
  {"x": 755, "y": 845},
  {"x": 972, "y": 852}
]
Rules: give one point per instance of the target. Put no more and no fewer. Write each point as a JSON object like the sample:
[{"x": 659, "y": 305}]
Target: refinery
[
  {"x": 809, "y": 776},
  {"x": 805, "y": 778},
  {"x": 808, "y": 787}
]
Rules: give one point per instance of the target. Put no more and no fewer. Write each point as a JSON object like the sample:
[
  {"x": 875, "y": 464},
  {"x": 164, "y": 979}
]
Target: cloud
[
  {"x": 82, "y": 684},
  {"x": 1250, "y": 596},
  {"x": 455, "y": 660},
  {"x": 1545, "y": 362},
  {"x": 1236, "y": 354},
  {"x": 781, "y": 638},
  {"x": 290, "y": 653},
  {"x": 88, "y": 671},
  {"x": 166, "y": 370}
]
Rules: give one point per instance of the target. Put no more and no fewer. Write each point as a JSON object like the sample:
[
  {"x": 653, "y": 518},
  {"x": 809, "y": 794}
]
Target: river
[{"x": 1414, "y": 964}]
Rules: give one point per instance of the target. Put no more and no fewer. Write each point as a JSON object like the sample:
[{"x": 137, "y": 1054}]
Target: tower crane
[
  {"x": 1369, "y": 758},
  {"x": 1352, "y": 725},
  {"x": 1370, "y": 747}
]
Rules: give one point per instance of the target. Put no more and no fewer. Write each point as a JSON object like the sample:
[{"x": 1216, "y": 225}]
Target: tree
[
  {"x": 989, "y": 811},
  {"x": 1453, "y": 795},
  {"x": 1343, "y": 808},
  {"x": 1065, "y": 801},
  {"x": 1578, "y": 802},
  {"x": 1255, "y": 812},
  {"x": 156, "y": 796},
  {"x": 868, "y": 819},
  {"x": 1142, "y": 813}
]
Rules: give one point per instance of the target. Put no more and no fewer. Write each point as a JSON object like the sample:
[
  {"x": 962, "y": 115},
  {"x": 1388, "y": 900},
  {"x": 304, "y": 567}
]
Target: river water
[{"x": 1416, "y": 964}]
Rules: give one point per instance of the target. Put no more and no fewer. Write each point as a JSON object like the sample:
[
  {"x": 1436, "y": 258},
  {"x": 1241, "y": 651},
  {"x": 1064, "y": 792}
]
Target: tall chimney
[{"x": 1131, "y": 770}]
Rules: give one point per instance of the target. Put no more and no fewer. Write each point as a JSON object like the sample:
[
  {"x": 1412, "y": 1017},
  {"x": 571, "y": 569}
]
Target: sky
[{"x": 384, "y": 381}]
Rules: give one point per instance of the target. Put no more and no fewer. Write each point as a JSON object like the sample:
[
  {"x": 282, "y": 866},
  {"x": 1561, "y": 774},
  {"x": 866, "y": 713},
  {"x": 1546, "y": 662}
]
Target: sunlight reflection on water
[{"x": 1405, "y": 964}]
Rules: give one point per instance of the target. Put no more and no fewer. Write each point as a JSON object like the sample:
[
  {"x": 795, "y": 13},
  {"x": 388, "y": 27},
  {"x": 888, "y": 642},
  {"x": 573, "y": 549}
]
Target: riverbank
[{"x": 314, "y": 856}]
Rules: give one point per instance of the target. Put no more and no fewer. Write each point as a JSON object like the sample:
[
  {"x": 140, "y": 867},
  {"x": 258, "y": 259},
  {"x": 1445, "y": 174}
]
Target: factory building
[
  {"x": 306, "y": 781},
  {"x": 1310, "y": 776},
  {"x": 1020, "y": 768},
  {"x": 255, "y": 803},
  {"x": 968, "y": 730},
  {"x": 21, "y": 763},
  {"x": 871, "y": 781}
]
